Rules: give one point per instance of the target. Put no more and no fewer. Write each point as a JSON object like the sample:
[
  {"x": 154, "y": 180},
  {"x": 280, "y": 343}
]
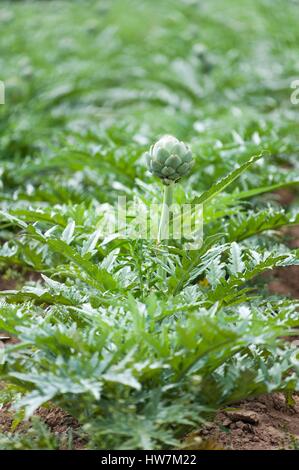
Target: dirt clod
[{"x": 243, "y": 416}]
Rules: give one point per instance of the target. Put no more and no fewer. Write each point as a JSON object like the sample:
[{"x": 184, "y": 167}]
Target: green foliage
[{"x": 142, "y": 342}]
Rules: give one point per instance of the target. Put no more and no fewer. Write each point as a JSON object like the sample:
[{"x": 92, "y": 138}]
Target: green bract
[{"x": 169, "y": 159}]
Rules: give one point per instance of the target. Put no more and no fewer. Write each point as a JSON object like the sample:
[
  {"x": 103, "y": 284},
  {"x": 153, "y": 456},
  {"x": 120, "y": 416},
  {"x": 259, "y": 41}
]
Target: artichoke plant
[{"x": 169, "y": 159}]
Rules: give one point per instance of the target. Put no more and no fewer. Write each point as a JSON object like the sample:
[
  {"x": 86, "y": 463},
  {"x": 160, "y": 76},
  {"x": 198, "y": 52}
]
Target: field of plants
[{"x": 117, "y": 342}]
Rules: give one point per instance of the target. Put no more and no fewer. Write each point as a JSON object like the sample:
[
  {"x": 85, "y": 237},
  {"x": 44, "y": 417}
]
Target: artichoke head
[{"x": 169, "y": 159}]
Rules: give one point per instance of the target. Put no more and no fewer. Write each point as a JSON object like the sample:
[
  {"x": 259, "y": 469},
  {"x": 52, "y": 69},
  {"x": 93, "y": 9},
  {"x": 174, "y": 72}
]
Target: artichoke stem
[{"x": 164, "y": 220}]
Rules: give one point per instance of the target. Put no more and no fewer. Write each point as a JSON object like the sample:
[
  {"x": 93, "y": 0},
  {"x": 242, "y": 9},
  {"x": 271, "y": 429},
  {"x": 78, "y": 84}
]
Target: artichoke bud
[{"x": 169, "y": 159}]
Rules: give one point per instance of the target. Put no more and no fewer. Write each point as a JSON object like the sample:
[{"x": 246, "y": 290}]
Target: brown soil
[
  {"x": 61, "y": 423},
  {"x": 285, "y": 196},
  {"x": 5, "y": 419},
  {"x": 19, "y": 279},
  {"x": 264, "y": 423},
  {"x": 57, "y": 420},
  {"x": 285, "y": 281}
]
